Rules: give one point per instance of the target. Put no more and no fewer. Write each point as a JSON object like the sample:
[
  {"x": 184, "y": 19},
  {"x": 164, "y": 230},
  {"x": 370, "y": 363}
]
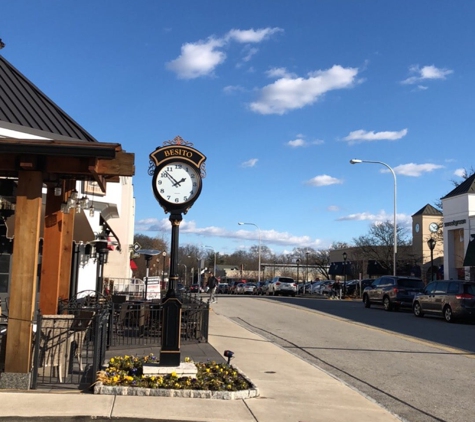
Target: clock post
[{"x": 177, "y": 170}]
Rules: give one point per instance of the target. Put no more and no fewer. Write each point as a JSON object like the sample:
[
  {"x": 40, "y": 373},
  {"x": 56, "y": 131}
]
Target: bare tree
[{"x": 378, "y": 245}]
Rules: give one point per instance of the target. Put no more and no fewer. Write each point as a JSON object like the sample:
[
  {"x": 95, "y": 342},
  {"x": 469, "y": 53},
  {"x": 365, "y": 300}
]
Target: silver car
[
  {"x": 451, "y": 299},
  {"x": 282, "y": 286}
]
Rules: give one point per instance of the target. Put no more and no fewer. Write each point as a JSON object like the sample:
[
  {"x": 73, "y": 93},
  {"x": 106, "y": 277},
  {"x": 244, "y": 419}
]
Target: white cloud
[
  {"x": 299, "y": 142},
  {"x": 333, "y": 208},
  {"x": 289, "y": 92},
  {"x": 190, "y": 227},
  {"x": 202, "y": 57},
  {"x": 361, "y": 135},
  {"x": 381, "y": 217},
  {"x": 317, "y": 142},
  {"x": 231, "y": 89},
  {"x": 199, "y": 59},
  {"x": 250, "y": 163},
  {"x": 249, "y": 53},
  {"x": 460, "y": 172},
  {"x": 251, "y": 35},
  {"x": 279, "y": 72},
  {"x": 425, "y": 73},
  {"x": 323, "y": 180},
  {"x": 415, "y": 170}
]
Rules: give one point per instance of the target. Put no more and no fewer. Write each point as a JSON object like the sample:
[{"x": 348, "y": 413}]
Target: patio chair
[
  {"x": 79, "y": 328},
  {"x": 55, "y": 343}
]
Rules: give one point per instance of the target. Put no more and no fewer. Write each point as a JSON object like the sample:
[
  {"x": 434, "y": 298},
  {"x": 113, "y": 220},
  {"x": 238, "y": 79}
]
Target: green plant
[{"x": 128, "y": 371}]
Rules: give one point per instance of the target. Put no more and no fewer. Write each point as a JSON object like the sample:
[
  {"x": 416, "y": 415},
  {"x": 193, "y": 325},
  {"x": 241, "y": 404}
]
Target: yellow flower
[
  {"x": 207, "y": 369},
  {"x": 173, "y": 374}
]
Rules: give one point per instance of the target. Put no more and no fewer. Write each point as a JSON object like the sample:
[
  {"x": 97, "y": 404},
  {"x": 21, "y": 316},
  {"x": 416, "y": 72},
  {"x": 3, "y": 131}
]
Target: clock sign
[{"x": 177, "y": 177}]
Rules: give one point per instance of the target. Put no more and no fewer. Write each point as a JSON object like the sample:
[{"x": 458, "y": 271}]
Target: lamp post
[
  {"x": 214, "y": 266},
  {"x": 259, "y": 252},
  {"x": 344, "y": 272},
  {"x": 298, "y": 266},
  {"x": 306, "y": 272},
  {"x": 357, "y": 161},
  {"x": 431, "y": 243},
  {"x": 185, "y": 273}
]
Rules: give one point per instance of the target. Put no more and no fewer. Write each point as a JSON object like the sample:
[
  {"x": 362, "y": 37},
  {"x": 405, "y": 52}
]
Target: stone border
[{"x": 249, "y": 393}]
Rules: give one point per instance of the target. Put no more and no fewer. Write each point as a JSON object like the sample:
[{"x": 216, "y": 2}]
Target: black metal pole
[
  {"x": 171, "y": 323},
  {"x": 431, "y": 264}
]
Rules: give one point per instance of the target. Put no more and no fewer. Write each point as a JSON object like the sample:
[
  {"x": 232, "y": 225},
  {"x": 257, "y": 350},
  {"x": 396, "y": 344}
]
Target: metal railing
[
  {"x": 139, "y": 323},
  {"x": 70, "y": 347}
]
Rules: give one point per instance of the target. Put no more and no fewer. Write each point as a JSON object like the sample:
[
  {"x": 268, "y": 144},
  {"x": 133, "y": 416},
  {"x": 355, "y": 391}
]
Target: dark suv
[
  {"x": 392, "y": 291},
  {"x": 448, "y": 298}
]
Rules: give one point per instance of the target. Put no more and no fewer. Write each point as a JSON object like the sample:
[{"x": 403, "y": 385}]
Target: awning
[
  {"x": 82, "y": 229},
  {"x": 469, "y": 260},
  {"x": 133, "y": 265}
]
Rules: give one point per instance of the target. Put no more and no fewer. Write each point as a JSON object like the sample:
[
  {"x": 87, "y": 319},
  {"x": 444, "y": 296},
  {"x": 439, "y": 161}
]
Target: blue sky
[{"x": 279, "y": 95}]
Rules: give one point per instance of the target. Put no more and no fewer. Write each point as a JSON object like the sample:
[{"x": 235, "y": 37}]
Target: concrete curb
[{"x": 249, "y": 393}]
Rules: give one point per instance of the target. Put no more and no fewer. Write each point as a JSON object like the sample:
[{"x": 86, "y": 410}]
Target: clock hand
[
  {"x": 178, "y": 183},
  {"x": 171, "y": 178}
]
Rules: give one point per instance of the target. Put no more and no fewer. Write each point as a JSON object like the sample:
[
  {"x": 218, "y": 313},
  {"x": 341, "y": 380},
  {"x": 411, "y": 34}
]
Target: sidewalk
[{"x": 290, "y": 390}]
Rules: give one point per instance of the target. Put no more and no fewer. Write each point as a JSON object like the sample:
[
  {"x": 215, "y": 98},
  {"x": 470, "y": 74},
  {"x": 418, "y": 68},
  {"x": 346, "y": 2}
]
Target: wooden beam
[
  {"x": 122, "y": 165},
  {"x": 66, "y": 248},
  {"x": 24, "y": 272}
]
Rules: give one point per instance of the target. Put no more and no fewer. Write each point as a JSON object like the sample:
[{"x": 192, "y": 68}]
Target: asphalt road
[{"x": 419, "y": 368}]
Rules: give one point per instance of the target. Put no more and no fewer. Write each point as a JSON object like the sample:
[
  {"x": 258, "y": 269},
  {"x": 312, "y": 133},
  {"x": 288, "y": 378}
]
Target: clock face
[
  {"x": 433, "y": 227},
  {"x": 417, "y": 228},
  {"x": 177, "y": 182}
]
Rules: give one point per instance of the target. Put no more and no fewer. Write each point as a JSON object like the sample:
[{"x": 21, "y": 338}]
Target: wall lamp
[{"x": 74, "y": 202}]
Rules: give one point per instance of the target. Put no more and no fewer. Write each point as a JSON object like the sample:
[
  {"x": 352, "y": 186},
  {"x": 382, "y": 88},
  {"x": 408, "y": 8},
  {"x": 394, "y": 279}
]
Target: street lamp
[
  {"x": 344, "y": 272},
  {"x": 431, "y": 243},
  {"x": 298, "y": 264},
  {"x": 306, "y": 275},
  {"x": 356, "y": 161},
  {"x": 214, "y": 267},
  {"x": 185, "y": 274},
  {"x": 259, "y": 253}
]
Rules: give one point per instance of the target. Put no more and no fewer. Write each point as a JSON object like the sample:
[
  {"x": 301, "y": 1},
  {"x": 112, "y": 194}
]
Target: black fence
[
  {"x": 139, "y": 323},
  {"x": 69, "y": 348}
]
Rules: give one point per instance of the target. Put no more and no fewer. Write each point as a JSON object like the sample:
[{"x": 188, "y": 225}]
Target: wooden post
[
  {"x": 56, "y": 264},
  {"x": 24, "y": 272}
]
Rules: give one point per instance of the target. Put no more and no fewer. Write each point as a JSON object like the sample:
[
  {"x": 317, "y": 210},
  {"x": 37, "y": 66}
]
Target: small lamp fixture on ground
[
  {"x": 357, "y": 161},
  {"x": 431, "y": 243}
]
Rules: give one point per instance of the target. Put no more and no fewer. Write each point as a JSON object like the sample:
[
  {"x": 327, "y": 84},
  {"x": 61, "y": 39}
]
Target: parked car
[
  {"x": 282, "y": 286},
  {"x": 259, "y": 286},
  {"x": 223, "y": 288},
  {"x": 246, "y": 288},
  {"x": 239, "y": 288},
  {"x": 448, "y": 298},
  {"x": 264, "y": 287},
  {"x": 232, "y": 286},
  {"x": 196, "y": 288},
  {"x": 392, "y": 291},
  {"x": 324, "y": 288}
]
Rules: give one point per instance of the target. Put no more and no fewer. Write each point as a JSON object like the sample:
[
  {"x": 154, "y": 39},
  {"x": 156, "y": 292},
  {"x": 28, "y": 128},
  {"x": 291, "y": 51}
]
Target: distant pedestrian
[
  {"x": 212, "y": 284},
  {"x": 336, "y": 290}
]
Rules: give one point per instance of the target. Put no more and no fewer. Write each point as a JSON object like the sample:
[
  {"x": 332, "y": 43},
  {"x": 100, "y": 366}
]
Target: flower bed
[{"x": 124, "y": 376}]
